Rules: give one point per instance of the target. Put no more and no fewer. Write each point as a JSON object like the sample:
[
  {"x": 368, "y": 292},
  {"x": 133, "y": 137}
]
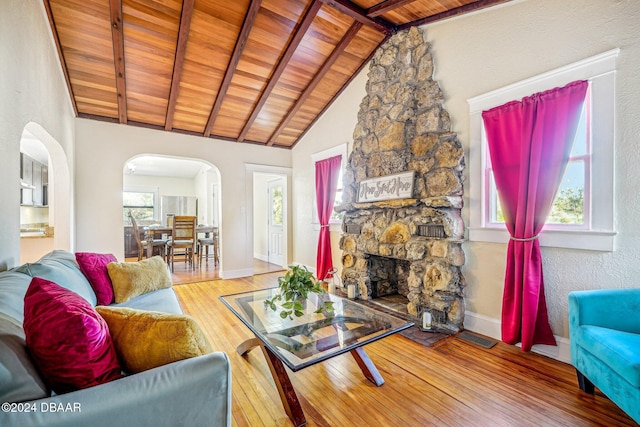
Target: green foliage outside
[{"x": 568, "y": 208}]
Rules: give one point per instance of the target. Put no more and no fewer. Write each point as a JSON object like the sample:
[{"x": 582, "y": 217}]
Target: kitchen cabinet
[
  {"x": 34, "y": 177},
  {"x": 130, "y": 244}
]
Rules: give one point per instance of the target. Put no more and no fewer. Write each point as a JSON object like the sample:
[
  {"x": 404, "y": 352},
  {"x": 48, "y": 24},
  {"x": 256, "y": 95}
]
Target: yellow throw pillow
[
  {"x": 130, "y": 279},
  {"x": 148, "y": 339}
]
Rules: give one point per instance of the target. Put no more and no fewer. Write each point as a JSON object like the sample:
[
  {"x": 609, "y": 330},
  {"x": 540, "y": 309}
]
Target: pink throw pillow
[
  {"x": 67, "y": 339},
  {"x": 94, "y": 267}
]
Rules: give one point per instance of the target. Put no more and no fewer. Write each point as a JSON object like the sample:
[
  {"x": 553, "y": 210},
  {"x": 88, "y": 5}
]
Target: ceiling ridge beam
[
  {"x": 117, "y": 36},
  {"x": 469, "y": 7},
  {"x": 178, "y": 61},
  {"x": 385, "y": 6},
  {"x": 299, "y": 34},
  {"x": 359, "y": 14},
  {"x": 241, "y": 41},
  {"x": 346, "y": 84},
  {"x": 326, "y": 66},
  {"x": 63, "y": 63}
]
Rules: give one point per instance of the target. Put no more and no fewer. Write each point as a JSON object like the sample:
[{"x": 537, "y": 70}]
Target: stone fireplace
[{"x": 411, "y": 245}]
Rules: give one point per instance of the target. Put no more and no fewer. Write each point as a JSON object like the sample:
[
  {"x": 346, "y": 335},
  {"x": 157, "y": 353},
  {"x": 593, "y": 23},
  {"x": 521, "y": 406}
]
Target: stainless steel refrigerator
[{"x": 177, "y": 205}]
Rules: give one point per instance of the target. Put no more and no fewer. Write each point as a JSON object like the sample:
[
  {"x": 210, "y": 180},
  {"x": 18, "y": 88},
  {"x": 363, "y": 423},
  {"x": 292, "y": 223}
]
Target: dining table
[{"x": 152, "y": 231}]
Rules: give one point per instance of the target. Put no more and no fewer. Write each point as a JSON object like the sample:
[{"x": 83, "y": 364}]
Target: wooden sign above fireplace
[{"x": 397, "y": 186}]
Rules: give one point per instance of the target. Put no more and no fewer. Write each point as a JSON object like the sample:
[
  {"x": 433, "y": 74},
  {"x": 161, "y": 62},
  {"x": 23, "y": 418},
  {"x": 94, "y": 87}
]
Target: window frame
[
  {"x": 153, "y": 190},
  {"x": 334, "y": 224},
  {"x": 600, "y": 233}
]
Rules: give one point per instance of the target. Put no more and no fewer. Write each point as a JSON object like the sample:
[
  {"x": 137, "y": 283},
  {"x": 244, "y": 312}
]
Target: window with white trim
[
  {"x": 583, "y": 213},
  {"x": 336, "y": 217}
]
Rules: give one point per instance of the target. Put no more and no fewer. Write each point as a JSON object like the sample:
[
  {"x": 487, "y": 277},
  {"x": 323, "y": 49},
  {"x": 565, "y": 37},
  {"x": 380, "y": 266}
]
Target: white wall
[
  {"x": 102, "y": 150},
  {"x": 32, "y": 89},
  {"x": 488, "y": 50},
  {"x": 334, "y": 128}
]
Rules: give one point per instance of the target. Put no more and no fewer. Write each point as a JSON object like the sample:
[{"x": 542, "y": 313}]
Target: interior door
[{"x": 276, "y": 212}]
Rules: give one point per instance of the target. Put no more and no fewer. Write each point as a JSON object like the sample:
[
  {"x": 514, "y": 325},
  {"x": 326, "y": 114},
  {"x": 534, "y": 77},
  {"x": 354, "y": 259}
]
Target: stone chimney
[{"x": 409, "y": 244}]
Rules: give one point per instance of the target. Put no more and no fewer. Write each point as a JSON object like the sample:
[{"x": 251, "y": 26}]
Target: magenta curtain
[
  {"x": 530, "y": 143},
  {"x": 327, "y": 172}
]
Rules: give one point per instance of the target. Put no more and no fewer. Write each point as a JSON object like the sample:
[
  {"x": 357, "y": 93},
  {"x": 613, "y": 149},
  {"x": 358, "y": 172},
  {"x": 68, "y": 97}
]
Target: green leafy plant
[{"x": 294, "y": 287}]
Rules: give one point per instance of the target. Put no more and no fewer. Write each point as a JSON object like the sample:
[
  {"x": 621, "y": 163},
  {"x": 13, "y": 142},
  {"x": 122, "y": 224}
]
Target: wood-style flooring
[{"x": 454, "y": 383}]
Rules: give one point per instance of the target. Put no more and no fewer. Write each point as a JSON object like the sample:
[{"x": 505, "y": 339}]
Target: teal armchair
[{"x": 604, "y": 327}]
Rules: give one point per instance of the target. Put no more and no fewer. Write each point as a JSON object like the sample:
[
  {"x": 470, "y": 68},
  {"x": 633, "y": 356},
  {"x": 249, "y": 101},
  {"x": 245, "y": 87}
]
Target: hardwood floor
[{"x": 454, "y": 383}]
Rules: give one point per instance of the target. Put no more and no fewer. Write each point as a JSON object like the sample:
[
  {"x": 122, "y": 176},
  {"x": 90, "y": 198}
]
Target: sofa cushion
[
  {"x": 148, "y": 339},
  {"x": 68, "y": 340},
  {"x": 62, "y": 268},
  {"x": 164, "y": 300},
  {"x": 131, "y": 279},
  {"x": 617, "y": 349},
  {"x": 19, "y": 378},
  {"x": 13, "y": 285},
  {"x": 94, "y": 267}
]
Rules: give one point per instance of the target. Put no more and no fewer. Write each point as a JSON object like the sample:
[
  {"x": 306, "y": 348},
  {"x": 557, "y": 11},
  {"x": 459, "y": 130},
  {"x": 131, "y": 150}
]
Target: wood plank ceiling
[{"x": 252, "y": 71}]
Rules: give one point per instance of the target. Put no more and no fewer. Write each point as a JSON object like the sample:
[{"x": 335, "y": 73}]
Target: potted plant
[{"x": 294, "y": 288}]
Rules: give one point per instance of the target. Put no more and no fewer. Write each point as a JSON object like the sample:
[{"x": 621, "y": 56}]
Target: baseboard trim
[
  {"x": 491, "y": 327},
  {"x": 261, "y": 257},
  {"x": 234, "y": 274}
]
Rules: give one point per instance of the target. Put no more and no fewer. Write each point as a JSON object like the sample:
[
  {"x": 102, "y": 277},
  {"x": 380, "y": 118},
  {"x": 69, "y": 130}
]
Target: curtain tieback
[
  {"x": 324, "y": 226},
  {"x": 526, "y": 239}
]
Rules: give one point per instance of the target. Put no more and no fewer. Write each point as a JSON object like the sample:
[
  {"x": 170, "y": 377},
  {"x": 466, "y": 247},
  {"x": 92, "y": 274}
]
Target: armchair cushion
[
  {"x": 617, "y": 349},
  {"x": 148, "y": 339},
  {"x": 69, "y": 341},
  {"x": 94, "y": 267},
  {"x": 131, "y": 279}
]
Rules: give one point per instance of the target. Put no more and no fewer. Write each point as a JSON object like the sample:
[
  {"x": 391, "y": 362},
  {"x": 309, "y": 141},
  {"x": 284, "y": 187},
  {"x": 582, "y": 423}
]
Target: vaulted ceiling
[{"x": 252, "y": 71}]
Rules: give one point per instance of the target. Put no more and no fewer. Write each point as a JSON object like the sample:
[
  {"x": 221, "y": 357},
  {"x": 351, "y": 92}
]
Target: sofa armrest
[
  {"x": 617, "y": 309},
  {"x": 194, "y": 391}
]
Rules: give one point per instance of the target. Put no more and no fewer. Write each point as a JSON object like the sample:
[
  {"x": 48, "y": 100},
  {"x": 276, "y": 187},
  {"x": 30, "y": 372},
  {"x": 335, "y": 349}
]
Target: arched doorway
[
  {"x": 46, "y": 195},
  {"x": 159, "y": 180}
]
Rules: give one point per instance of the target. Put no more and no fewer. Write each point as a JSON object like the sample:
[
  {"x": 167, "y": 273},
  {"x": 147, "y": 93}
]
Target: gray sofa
[{"x": 191, "y": 392}]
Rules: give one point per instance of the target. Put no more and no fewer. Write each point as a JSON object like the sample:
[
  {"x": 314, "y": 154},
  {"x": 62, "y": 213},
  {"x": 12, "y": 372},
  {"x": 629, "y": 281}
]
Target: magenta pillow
[
  {"x": 67, "y": 339},
  {"x": 94, "y": 267}
]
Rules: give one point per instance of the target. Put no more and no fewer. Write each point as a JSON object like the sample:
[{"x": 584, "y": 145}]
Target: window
[
  {"x": 139, "y": 204},
  {"x": 336, "y": 217},
  {"x": 570, "y": 207},
  {"x": 582, "y": 214}
]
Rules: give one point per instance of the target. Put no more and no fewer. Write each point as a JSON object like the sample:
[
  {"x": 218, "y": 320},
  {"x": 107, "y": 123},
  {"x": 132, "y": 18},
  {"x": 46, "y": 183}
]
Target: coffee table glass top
[{"x": 302, "y": 341}]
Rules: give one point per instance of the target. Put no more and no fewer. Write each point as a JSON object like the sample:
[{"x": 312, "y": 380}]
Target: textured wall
[
  {"x": 32, "y": 89},
  {"x": 485, "y": 51}
]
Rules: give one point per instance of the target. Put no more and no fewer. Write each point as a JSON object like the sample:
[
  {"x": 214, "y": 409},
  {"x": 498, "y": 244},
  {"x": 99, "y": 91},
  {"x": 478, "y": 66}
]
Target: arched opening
[
  {"x": 45, "y": 211},
  {"x": 157, "y": 186}
]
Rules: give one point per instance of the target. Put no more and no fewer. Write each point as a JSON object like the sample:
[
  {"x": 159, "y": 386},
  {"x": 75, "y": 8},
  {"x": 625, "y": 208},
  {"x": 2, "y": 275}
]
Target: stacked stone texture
[{"x": 402, "y": 126}]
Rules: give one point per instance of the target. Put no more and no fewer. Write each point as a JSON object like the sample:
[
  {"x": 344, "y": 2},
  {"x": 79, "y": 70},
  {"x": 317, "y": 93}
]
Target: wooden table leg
[
  {"x": 247, "y": 345},
  {"x": 366, "y": 365},
  {"x": 281, "y": 379}
]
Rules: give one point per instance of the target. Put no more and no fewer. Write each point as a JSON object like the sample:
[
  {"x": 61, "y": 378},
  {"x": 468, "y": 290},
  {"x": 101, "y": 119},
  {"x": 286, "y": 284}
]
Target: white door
[{"x": 276, "y": 215}]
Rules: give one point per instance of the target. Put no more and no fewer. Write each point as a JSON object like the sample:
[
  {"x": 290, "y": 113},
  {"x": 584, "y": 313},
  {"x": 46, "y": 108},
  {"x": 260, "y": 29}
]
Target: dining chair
[
  {"x": 203, "y": 247},
  {"x": 161, "y": 244},
  {"x": 183, "y": 236}
]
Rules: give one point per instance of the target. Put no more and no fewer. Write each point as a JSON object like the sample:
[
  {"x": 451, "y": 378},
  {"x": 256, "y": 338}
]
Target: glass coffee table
[{"x": 303, "y": 341}]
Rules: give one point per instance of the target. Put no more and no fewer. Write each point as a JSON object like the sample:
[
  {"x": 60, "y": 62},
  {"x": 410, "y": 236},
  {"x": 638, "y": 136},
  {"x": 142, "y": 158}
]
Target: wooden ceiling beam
[
  {"x": 344, "y": 86},
  {"x": 470, "y": 7},
  {"x": 359, "y": 14},
  {"x": 299, "y": 34},
  {"x": 385, "y": 6},
  {"x": 241, "y": 41},
  {"x": 117, "y": 35},
  {"x": 63, "y": 63},
  {"x": 326, "y": 66},
  {"x": 178, "y": 62}
]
